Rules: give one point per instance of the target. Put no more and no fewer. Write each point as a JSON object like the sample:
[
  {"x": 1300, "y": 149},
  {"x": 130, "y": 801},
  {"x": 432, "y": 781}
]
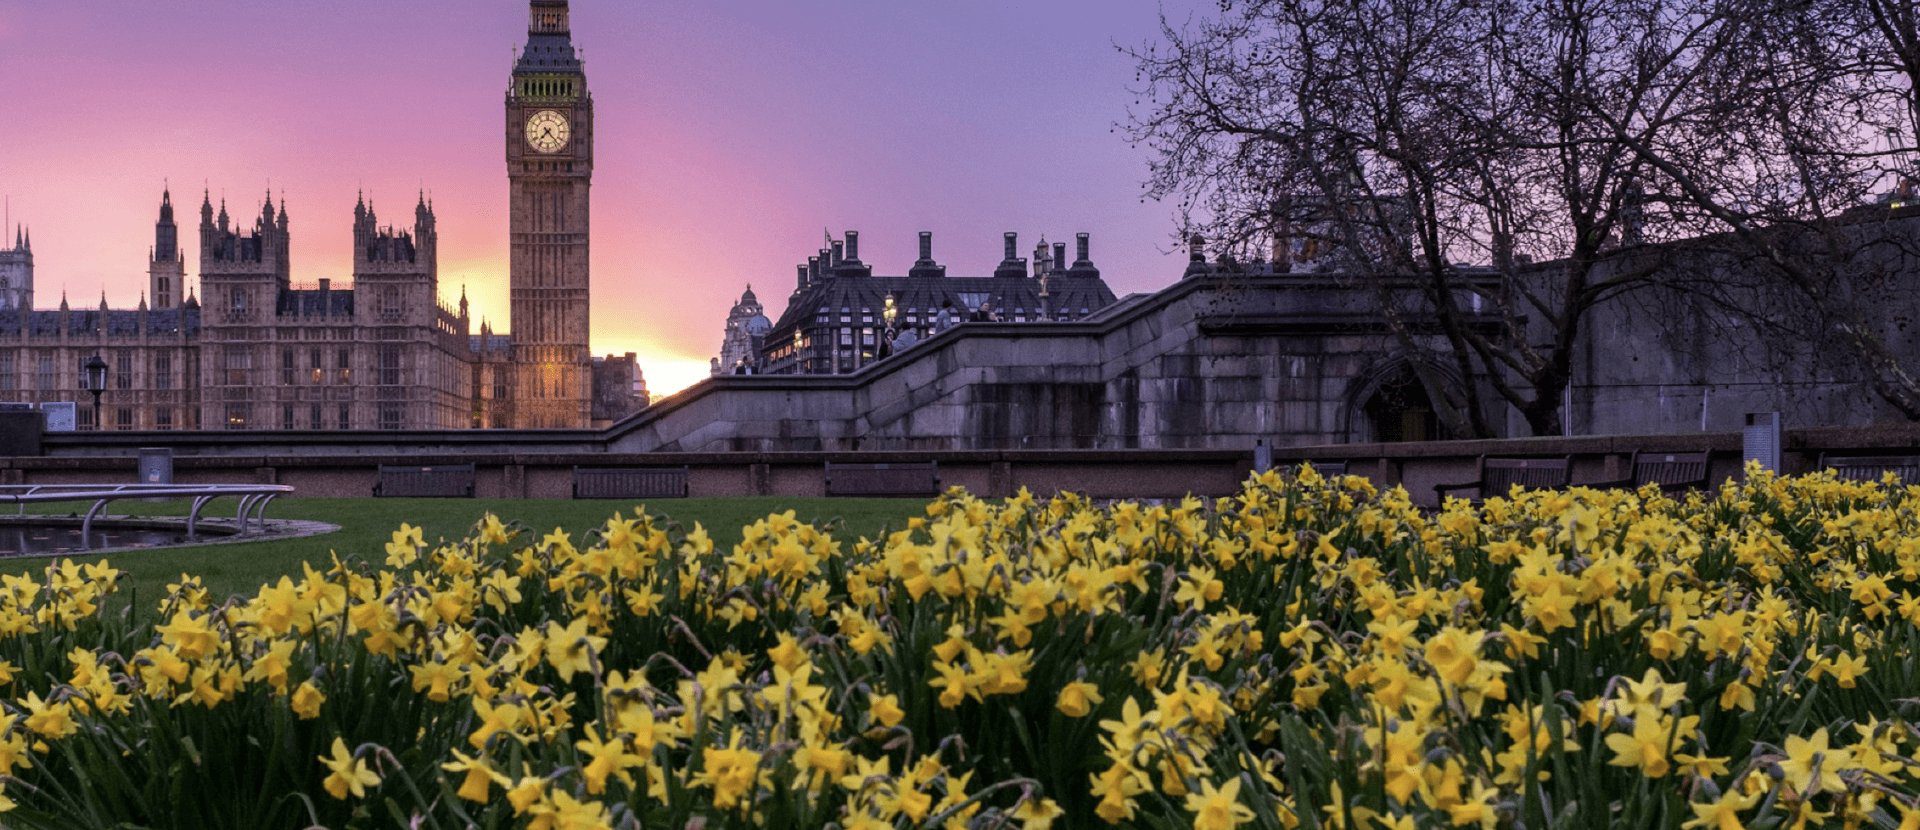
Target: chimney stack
[
  {"x": 800, "y": 283},
  {"x": 1013, "y": 265},
  {"x": 926, "y": 267},
  {"x": 1083, "y": 264},
  {"x": 813, "y": 268},
  {"x": 838, "y": 253},
  {"x": 853, "y": 246},
  {"x": 1059, "y": 256}
]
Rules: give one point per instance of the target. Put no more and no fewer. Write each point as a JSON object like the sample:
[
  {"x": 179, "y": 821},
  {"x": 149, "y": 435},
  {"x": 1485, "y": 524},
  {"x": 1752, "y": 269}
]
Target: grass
[{"x": 366, "y": 524}]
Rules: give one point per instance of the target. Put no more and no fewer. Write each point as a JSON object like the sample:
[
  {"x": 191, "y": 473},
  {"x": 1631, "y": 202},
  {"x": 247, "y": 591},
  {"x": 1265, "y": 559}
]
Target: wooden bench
[
  {"x": 896, "y": 479},
  {"x": 1496, "y": 475},
  {"x": 446, "y": 481},
  {"x": 1672, "y": 471},
  {"x": 630, "y": 482},
  {"x": 1872, "y": 467}
]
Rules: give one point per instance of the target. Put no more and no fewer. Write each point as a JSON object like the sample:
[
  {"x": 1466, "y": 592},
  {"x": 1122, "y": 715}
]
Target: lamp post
[
  {"x": 889, "y": 314},
  {"x": 93, "y": 378},
  {"x": 799, "y": 361}
]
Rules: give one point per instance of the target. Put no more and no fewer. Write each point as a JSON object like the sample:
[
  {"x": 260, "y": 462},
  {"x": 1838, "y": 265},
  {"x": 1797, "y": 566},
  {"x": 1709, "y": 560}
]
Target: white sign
[{"x": 62, "y": 416}]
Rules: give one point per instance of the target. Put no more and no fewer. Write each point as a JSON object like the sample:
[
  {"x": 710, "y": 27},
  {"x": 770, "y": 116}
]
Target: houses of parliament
[{"x": 252, "y": 349}]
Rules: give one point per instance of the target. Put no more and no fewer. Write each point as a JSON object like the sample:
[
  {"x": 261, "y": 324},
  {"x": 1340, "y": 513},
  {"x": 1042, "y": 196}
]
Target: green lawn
[{"x": 365, "y": 525}]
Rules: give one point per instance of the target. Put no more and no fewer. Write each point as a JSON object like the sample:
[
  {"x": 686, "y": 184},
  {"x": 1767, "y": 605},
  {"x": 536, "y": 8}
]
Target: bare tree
[
  {"x": 1774, "y": 157},
  {"x": 1412, "y": 136}
]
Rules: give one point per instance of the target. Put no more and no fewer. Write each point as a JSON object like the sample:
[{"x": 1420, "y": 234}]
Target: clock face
[{"x": 548, "y": 131}]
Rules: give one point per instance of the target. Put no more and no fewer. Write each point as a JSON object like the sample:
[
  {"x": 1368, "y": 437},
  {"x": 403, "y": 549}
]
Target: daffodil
[
  {"x": 1812, "y": 766},
  {"x": 730, "y": 772},
  {"x": 1078, "y": 698},
  {"x": 346, "y": 773},
  {"x": 480, "y": 776},
  {"x": 307, "y": 700},
  {"x": 1218, "y": 808},
  {"x": 1722, "y": 813},
  {"x": 571, "y": 648}
]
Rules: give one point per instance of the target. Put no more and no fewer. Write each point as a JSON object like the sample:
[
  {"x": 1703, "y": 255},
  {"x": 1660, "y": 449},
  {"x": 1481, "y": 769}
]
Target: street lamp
[
  {"x": 93, "y": 378},
  {"x": 888, "y": 315},
  {"x": 799, "y": 361}
]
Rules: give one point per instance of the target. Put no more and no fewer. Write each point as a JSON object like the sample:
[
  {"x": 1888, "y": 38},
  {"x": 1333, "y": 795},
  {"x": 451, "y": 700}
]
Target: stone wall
[
  {"x": 1668, "y": 356},
  {"x": 1208, "y": 363},
  {"x": 1097, "y": 473}
]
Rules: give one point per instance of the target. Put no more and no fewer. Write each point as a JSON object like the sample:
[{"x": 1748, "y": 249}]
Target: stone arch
[{"x": 1391, "y": 401}]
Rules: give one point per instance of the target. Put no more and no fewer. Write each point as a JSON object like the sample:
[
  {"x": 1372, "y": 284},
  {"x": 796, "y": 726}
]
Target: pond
[{"x": 47, "y": 539}]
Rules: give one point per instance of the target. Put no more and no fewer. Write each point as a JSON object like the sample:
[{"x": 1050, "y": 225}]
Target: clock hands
[{"x": 547, "y": 131}]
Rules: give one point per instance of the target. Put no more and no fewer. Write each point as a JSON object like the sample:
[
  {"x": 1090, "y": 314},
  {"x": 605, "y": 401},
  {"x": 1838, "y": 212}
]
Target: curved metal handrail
[{"x": 252, "y": 508}]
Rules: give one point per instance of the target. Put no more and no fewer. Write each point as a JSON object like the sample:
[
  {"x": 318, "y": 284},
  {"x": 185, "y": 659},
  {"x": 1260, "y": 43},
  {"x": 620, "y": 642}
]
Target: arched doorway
[
  {"x": 1392, "y": 404},
  {"x": 1400, "y": 410}
]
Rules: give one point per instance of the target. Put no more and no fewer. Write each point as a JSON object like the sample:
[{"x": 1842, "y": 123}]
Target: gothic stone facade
[{"x": 254, "y": 350}]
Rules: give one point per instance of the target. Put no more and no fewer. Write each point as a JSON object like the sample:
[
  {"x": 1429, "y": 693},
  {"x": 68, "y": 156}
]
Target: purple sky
[{"x": 730, "y": 133}]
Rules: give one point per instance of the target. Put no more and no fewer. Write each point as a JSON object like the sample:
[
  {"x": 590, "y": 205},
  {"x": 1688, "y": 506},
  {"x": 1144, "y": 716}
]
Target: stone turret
[
  {"x": 395, "y": 271},
  {"x": 167, "y": 264},
  {"x": 16, "y": 272},
  {"x": 244, "y": 272}
]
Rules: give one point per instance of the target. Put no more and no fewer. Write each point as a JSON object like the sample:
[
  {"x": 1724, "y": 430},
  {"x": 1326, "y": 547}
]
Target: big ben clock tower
[{"x": 549, "y": 170}]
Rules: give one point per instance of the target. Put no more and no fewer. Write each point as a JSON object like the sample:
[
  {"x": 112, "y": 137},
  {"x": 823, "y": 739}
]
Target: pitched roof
[{"x": 45, "y": 323}]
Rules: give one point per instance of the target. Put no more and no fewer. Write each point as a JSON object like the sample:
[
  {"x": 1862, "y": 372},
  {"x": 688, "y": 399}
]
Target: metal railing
[{"x": 252, "y": 508}]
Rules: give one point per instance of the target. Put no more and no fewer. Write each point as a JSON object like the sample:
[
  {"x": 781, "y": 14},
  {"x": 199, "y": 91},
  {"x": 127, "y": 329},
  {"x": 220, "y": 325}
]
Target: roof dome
[{"x": 759, "y": 324}]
